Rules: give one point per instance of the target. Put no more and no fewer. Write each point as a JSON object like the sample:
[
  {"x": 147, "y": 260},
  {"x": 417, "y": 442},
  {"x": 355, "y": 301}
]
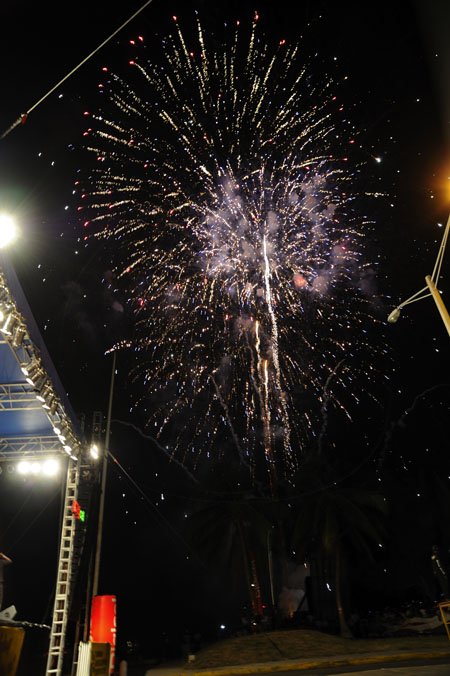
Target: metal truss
[
  {"x": 13, "y": 448},
  {"x": 15, "y": 396}
]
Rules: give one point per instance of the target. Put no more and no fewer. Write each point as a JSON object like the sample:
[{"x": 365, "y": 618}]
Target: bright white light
[
  {"x": 68, "y": 449},
  {"x": 222, "y": 626},
  {"x": 8, "y": 230},
  {"x": 5, "y": 326},
  {"x": 35, "y": 467},
  {"x": 94, "y": 451},
  {"x": 50, "y": 467},
  {"x": 23, "y": 467}
]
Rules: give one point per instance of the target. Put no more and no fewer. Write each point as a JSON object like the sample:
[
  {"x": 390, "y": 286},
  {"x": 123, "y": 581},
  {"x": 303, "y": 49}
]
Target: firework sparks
[{"x": 223, "y": 186}]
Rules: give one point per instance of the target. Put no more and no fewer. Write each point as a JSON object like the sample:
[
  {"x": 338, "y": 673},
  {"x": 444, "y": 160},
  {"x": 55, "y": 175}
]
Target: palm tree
[
  {"x": 232, "y": 531},
  {"x": 334, "y": 520}
]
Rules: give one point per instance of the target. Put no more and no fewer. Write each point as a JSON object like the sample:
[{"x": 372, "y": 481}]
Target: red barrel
[{"x": 103, "y": 623}]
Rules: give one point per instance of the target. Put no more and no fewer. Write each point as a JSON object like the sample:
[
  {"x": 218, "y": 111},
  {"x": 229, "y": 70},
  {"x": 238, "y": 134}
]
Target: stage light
[
  {"x": 94, "y": 452},
  {"x": 44, "y": 394},
  {"x": 8, "y": 230},
  {"x": 39, "y": 386},
  {"x": 31, "y": 372},
  {"x": 53, "y": 405},
  {"x": 50, "y": 467},
  {"x": 23, "y": 467},
  {"x": 35, "y": 467},
  {"x": 19, "y": 335},
  {"x": 26, "y": 467},
  {"x": 9, "y": 323}
]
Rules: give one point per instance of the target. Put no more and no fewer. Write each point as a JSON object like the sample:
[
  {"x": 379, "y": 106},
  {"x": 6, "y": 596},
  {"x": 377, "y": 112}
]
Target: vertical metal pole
[{"x": 98, "y": 546}]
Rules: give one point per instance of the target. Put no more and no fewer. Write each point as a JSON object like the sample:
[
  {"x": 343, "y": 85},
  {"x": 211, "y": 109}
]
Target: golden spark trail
[{"x": 275, "y": 357}]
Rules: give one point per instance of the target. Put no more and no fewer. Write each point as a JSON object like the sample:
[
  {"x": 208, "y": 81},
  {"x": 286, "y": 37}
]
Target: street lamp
[{"x": 430, "y": 289}]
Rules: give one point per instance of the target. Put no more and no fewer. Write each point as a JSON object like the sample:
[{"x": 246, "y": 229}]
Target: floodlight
[
  {"x": 8, "y": 230},
  {"x": 19, "y": 334},
  {"x": 94, "y": 452},
  {"x": 39, "y": 385},
  {"x": 50, "y": 467},
  {"x": 43, "y": 394},
  {"x": 35, "y": 467},
  {"x": 47, "y": 467},
  {"x": 53, "y": 405},
  {"x": 9, "y": 323},
  {"x": 31, "y": 372},
  {"x": 23, "y": 467}
]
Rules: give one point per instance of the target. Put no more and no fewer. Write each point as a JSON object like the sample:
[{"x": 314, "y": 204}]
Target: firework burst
[{"x": 223, "y": 187}]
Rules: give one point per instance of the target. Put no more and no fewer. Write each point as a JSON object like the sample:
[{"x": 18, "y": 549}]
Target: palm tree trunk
[
  {"x": 256, "y": 589},
  {"x": 248, "y": 574},
  {"x": 343, "y": 626}
]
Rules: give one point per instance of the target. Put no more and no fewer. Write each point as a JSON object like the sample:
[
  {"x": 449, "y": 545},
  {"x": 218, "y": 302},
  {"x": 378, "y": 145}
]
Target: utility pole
[{"x": 98, "y": 546}]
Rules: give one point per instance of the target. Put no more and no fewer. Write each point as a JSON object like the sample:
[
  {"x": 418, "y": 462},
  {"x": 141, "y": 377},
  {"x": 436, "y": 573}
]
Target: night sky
[{"x": 397, "y": 59}]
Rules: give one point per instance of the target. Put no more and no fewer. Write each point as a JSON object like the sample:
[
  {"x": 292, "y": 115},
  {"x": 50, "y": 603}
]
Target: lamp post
[{"x": 431, "y": 287}]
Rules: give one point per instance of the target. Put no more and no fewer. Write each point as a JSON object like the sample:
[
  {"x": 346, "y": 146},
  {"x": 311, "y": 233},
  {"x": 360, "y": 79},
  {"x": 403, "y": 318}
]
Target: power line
[
  {"x": 145, "y": 497},
  {"x": 23, "y": 117}
]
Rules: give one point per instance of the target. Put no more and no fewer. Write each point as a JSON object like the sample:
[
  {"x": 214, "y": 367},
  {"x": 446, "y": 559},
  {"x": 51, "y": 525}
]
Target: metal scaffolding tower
[{"x": 64, "y": 573}]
